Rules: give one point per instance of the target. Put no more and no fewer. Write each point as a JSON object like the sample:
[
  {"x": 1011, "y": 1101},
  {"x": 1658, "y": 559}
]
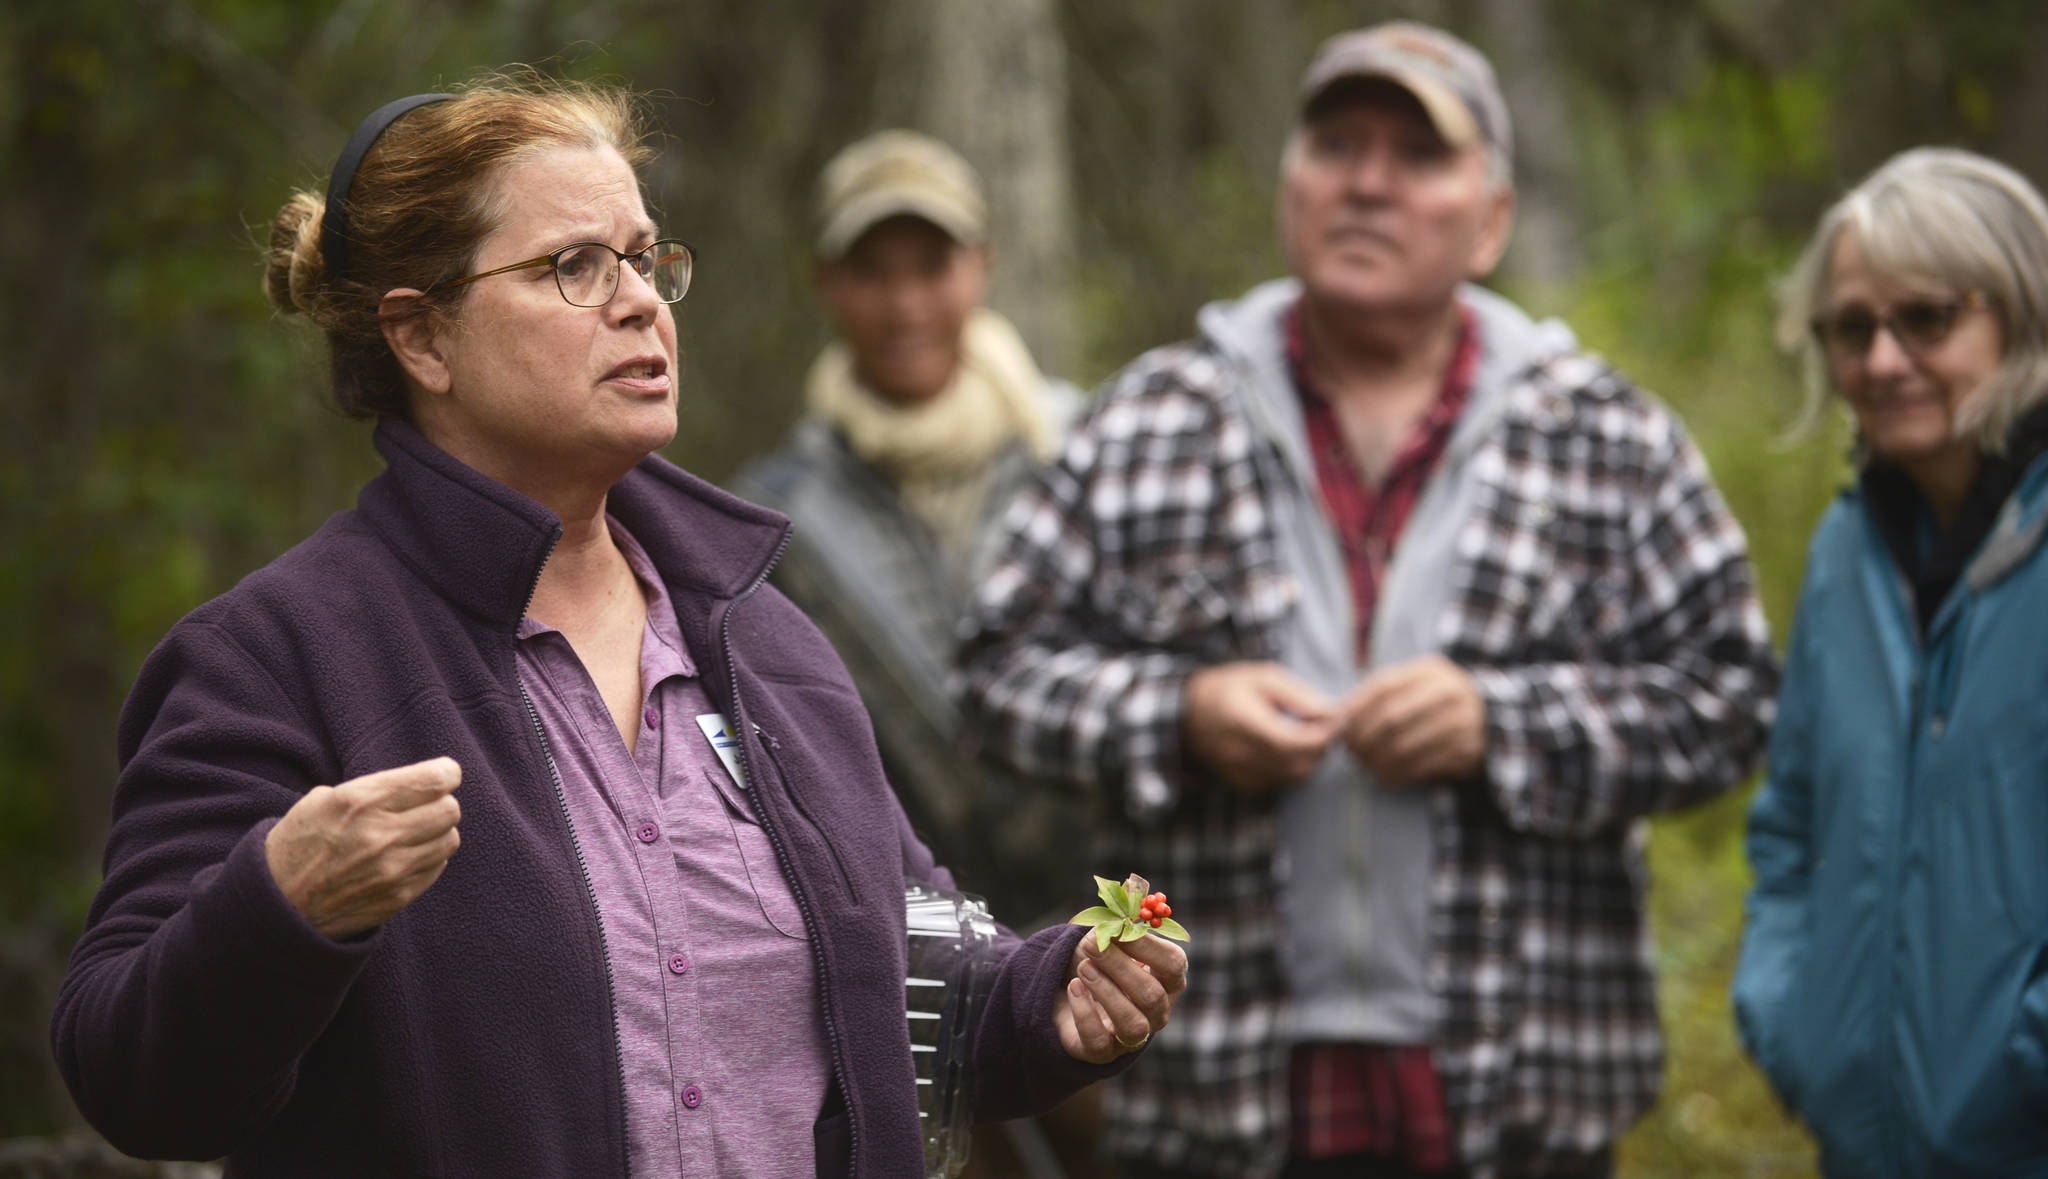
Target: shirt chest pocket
[
  {"x": 1574, "y": 613},
  {"x": 1183, "y": 609},
  {"x": 1559, "y": 570},
  {"x": 756, "y": 862}
]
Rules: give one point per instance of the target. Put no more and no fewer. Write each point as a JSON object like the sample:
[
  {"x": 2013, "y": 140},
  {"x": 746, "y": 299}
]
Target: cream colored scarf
[
  {"x": 937, "y": 452},
  {"x": 994, "y": 399}
]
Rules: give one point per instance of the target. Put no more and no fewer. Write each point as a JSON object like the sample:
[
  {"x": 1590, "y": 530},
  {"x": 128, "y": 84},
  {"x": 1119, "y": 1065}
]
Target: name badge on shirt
[{"x": 724, "y": 742}]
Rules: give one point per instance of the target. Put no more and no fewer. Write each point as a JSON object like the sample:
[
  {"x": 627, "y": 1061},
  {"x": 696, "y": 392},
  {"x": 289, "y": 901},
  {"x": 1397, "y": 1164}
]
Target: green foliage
[{"x": 1717, "y": 1116}]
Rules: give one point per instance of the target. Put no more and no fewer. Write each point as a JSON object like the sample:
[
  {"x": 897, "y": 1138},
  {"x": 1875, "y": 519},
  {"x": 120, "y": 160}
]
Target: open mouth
[{"x": 640, "y": 368}]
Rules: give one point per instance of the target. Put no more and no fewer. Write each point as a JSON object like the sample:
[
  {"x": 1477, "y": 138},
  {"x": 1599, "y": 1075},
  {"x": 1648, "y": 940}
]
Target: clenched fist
[{"x": 348, "y": 857}]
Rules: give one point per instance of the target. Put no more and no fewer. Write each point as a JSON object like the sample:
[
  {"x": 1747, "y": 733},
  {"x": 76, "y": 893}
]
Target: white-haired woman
[{"x": 1894, "y": 973}]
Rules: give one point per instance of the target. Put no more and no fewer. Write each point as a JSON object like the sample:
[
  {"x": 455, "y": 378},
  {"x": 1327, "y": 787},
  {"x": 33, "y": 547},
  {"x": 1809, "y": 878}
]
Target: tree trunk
[
  {"x": 1546, "y": 251},
  {"x": 995, "y": 87},
  {"x": 2019, "y": 141}
]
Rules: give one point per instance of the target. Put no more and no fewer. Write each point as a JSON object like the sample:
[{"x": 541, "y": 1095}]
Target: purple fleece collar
[{"x": 481, "y": 544}]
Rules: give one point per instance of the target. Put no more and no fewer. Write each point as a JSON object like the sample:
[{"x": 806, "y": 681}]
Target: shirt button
[
  {"x": 648, "y": 833},
  {"x": 653, "y": 718},
  {"x": 678, "y": 964},
  {"x": 692, "y": 1097}
]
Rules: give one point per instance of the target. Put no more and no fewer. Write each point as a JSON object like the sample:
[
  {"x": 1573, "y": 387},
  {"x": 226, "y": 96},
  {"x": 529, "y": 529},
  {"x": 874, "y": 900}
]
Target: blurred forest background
[{"x": 163, "y": 435}]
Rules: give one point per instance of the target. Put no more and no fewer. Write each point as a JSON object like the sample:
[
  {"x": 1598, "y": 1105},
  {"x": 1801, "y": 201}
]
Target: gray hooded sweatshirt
[{"x": 1356, "y": 857}]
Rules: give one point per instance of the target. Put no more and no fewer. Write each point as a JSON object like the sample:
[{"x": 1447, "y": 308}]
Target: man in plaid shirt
[{"x": 1383, "y": 615}]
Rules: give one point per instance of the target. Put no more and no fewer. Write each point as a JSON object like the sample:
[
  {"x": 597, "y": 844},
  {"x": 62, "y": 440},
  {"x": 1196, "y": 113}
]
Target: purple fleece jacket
[{"x": 472, "y": 1034}]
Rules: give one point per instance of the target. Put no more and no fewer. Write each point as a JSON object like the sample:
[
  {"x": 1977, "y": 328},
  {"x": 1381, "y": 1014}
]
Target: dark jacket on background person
[
  {"x": 888, "y": 594},
  {"x": 1893, "y": 982},
  {"x": 472, "y": 1033}
]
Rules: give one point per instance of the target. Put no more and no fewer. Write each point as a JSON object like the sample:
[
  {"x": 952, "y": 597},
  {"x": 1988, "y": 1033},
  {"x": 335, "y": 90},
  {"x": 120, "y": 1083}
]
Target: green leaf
[
  {"x": 1095, "y": 916},
  {"x": 1112, "y": 894},
  {"x": 1168, "y": 927},
  {"x": 1133, "y": 930},
  {"x": 1102, "y": 933}
]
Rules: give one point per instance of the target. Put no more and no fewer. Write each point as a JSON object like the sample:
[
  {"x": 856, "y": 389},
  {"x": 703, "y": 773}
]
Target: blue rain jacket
[{"x": 1894, "y": 973}]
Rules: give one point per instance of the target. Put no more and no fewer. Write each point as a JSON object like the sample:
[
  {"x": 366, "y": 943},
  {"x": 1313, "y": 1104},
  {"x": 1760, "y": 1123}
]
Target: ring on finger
[{"x": 1131, "y": 1045}]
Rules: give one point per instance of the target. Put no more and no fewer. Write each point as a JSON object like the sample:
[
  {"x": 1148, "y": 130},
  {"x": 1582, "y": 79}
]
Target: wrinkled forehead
[{"x": 570, "y": 189}]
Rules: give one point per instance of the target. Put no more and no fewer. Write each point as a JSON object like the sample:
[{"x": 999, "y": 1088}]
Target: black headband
[{"x": 334, "y": 222}]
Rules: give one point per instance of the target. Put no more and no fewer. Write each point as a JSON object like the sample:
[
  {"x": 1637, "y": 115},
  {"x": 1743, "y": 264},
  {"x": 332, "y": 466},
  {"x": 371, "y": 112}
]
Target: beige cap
[
  {"x": 1452, "y": 80},
  {"x": 893, "y": 173}
]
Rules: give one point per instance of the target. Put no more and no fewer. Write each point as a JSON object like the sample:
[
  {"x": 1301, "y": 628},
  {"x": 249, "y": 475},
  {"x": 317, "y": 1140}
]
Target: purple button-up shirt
[{"x": 721, "y": 1033}]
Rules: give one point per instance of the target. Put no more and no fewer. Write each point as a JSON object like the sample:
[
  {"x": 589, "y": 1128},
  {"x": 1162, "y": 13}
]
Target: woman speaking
[{"x": 510, "y": 824}]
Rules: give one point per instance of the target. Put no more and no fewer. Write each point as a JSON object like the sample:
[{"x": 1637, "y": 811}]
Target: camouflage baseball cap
[
  {"x": 1452, "y": 80},
  {"x": 891, "y": 174}
]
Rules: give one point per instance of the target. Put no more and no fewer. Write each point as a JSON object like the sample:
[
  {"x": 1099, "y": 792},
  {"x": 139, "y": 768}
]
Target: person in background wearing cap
[
  {"x": 922, "y": 417},
  {"x": 509, "y": 825},
  {"x": 1384, "y": 614}
]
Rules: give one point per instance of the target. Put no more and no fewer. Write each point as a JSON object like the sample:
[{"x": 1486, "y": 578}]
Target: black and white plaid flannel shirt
[{"x": 1603, "y": 602}]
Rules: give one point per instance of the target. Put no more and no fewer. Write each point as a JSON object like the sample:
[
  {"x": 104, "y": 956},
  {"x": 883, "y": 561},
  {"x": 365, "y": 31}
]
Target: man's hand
[
  {"x": 1418, "y": 721},
  {"x": 348, "y": 857},
  {"x": 1256, "y": 725},
  {"x": 1116, "y": 998}
]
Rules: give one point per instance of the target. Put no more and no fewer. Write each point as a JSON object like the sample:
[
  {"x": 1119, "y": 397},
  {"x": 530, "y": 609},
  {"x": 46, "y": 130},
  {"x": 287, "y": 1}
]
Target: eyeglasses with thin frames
[
  {"x": 587, "y": 273},
  {"x": 1919, "y": 326}
]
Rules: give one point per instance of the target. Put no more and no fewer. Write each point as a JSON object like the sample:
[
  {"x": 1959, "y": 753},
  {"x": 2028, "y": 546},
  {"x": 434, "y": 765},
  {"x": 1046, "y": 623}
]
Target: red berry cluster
[{"x": 1154, "y": 909}]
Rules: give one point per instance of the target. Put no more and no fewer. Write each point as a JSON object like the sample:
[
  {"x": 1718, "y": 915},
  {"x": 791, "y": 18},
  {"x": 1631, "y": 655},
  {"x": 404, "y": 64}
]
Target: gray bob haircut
[{"x": 1954, "y": 221}]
